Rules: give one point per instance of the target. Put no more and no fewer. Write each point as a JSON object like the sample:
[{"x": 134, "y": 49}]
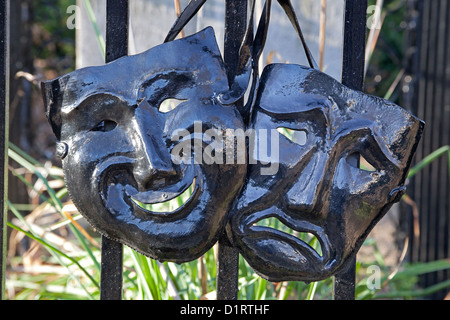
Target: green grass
[{"x": 68, "y": 263}]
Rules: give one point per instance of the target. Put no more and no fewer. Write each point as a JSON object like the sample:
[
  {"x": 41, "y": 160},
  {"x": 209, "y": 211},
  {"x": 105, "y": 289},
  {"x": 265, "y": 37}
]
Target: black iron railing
[
  {"x": 116, "y": 46},
  {"x": 427, "y": 95}
]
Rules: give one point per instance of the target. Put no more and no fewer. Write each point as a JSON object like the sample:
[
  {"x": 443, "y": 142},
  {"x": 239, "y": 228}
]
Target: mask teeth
[{"x": 169, "y": 205}]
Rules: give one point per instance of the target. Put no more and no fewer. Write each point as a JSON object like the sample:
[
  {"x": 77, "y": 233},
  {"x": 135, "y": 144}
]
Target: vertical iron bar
[
  {"x": 436, "y": 79},
  {"x": 427, "y": 231},
  {"x": 353, "y": 77},
  {"x": 235, "y": 27},
  {"x": 421, "y": 111},
  {"x": 441, "y": 179},
  {"x": 445, "y": 124},
  {"x": 354, "y": 43},
  {"x": 227, "y": 270},
  {"x": 4, "y": 116},
  {"x": 416, "y": 97},
  {"x": 116, "y": 29},
  {"x": 228, "y": 258},
  {"x": 116, "y": 47},
  {"x": 428, "y": 101},
  {"x": 344, "y": 283},
  {"x": 111, "y": 274}
]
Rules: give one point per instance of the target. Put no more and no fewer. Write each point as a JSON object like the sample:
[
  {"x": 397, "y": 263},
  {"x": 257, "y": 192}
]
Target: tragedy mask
[
  {"x": 119, "y": 128},
  {"x": 311, "y": 138}
]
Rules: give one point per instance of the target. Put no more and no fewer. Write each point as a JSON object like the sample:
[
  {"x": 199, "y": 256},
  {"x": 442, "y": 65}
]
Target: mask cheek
[
  {"x": 375, "y": 188},
  {"x": 357, "y": 197}
]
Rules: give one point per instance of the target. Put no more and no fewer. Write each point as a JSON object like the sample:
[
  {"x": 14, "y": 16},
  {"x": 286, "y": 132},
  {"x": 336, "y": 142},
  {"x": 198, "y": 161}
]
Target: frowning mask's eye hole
[
  {"x": 297, "y": 136},
  {"x": 169, "y": 104},
  {"x": 358, "y": 161},
  {"x": 105, "y": 126}
]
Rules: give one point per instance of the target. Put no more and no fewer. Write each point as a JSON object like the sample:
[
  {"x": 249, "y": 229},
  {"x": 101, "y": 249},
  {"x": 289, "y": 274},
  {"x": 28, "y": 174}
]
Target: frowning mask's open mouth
[
  {"x": 172, "y": 201},
  {"x": 308, "y": 239},
  {"x": 297, "y": 242}
]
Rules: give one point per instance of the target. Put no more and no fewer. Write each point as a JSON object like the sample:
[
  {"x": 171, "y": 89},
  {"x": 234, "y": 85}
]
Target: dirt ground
[{"x": 387, "y": 236}]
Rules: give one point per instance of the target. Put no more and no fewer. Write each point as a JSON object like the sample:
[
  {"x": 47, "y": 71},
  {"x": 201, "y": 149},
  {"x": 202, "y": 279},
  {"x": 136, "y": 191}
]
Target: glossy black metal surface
[
  {"x": 314, "y": 185},
  {"x": 117, "y": 14},
  {"x": 236, "y": 65},
  {"x": 121, "y": 146},
  {"x": 188, "y": 13},
  {"x": 121, "y": 153},
  {"x": 353, "y": 59}
]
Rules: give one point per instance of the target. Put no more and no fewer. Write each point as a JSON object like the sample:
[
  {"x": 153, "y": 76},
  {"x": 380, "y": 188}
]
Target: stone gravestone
[{"x": 152, "y": 19}]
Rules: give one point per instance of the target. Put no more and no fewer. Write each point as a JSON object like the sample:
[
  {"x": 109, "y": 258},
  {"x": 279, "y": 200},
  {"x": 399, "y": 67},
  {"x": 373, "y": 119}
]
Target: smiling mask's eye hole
[
  {"x": 297, "y": 136},
  {"x": 358, "y": 161},
  {"x": 105, "y": 126},
  {"x": 170, "y": 104}
]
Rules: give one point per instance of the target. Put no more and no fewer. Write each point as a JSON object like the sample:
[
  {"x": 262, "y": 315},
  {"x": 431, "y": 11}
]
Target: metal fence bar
[
  {"x": 227, "y": 271},
  {"x": 354, "y": 43},
  {"x": 228, "y": 257},
  {"x": 429, "y": 100},
  {"x": 353, "y": 77},
  {"x": 111, "y": 266},
  {"x": 4, "y": 110},
  {"x": 344, "y": 283},
  {"x": 116, "y": 47}
]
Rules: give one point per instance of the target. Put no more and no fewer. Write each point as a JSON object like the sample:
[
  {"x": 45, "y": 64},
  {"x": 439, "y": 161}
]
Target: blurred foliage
[
  {"x": 387, "y": 59},
  {"x": 63, "y": 259},
  {"x": 53, "y": 41}
]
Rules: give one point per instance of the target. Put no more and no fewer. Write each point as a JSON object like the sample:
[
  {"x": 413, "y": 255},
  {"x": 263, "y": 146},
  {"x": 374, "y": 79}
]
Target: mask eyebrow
[
  {"x": 382, "y": 151},
  {"x": 96, "y": 100},
  {"x": 165, "y": 84},
  {"x": 279, "y": 101},
  {"x": 317, "y": 114},
  {"x": 378, "y": 150}
]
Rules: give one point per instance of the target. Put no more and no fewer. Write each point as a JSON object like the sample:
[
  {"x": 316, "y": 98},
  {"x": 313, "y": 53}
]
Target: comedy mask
[
  {"x": 328, "y": 162},
  {"x": 120, "y": 127}
]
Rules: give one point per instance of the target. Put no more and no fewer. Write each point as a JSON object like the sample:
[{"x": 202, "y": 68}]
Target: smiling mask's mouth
[{"x": 173, "y": 203}]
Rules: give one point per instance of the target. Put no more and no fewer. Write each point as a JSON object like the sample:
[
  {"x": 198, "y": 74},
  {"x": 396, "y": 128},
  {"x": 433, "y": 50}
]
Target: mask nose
[
  {"x": 153, "y": 161},
  {"x": 303, "y": 196},
  {"x": 152, "y": 164}
]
